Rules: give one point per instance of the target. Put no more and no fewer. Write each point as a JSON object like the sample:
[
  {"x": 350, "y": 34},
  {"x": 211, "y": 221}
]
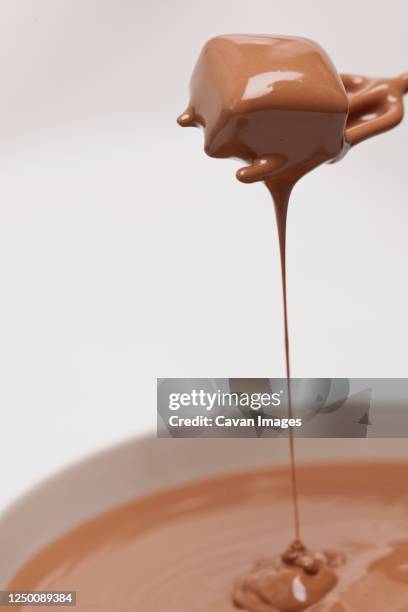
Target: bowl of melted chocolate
[{"x": 183, "y": 525}]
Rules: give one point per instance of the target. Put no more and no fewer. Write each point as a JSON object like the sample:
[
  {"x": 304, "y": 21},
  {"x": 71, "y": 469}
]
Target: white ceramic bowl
[{"x": 144, "y": 465}]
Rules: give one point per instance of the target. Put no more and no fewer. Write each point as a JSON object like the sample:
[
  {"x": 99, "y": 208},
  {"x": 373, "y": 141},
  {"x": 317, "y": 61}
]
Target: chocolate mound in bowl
[
  {"x": 294, "y": 581},
  {"x": 182, "y": 550}
]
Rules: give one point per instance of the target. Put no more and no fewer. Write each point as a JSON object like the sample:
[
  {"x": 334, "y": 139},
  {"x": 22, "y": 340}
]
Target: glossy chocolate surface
[{"x": 184, "y": 550}]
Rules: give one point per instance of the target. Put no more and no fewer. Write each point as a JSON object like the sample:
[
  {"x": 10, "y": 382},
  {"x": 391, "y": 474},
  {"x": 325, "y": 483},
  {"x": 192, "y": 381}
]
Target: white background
[{"x": 126, "y": 254}]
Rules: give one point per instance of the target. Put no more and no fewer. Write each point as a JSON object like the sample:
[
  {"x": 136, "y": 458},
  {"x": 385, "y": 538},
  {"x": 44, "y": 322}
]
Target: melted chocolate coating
[
  {"x": 375, "y": 105},
  {"x": 278, "y": 103},
  {"x": 275, "y": 102}
]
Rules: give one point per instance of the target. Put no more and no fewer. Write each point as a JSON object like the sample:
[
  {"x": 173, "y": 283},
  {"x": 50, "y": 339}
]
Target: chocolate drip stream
[{"x": 281, "y": 194}]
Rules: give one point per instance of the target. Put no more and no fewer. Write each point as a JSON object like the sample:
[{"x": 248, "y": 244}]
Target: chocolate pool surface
[{"x": 184, "y": 549}]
